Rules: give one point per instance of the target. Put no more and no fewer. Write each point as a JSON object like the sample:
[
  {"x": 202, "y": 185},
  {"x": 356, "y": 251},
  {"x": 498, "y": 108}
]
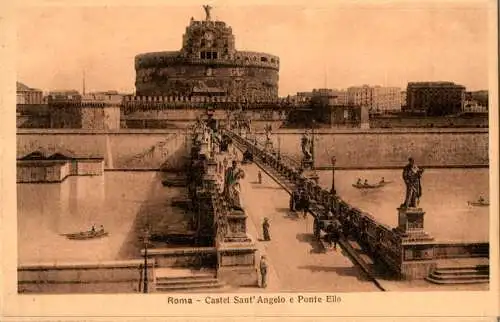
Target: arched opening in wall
[
  {"x": 263, "y": 59},
  {"x": 272, "y": 60}
]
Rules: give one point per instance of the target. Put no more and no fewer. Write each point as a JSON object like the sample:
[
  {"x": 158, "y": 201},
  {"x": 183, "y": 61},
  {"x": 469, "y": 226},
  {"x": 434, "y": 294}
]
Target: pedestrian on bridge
[
  {"x": 304, "y": 203},
  {"x": 265, "y": 230},
  {"x": 263, "y": 271},
  {"x": 259, "y": 177}
]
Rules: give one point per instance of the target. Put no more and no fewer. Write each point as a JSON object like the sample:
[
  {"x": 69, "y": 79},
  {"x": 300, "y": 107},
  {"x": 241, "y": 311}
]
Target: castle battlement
[
  {"x": 239, "y": 59},
  {"x": 131, "y": 100},
  {"x": 73, "y": 104}
]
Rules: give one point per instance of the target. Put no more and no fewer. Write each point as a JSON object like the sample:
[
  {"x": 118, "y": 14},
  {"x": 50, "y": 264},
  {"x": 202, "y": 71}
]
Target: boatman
[{"x": 263, "y": 271}]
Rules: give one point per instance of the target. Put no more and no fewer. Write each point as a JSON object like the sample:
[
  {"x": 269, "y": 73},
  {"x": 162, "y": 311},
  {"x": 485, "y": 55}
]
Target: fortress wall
[
  {"x": 352, "y": 149},
  {"x": 384, "y": 149},
  {"x": 256, "y": 78},
  {"x": 133, "y": 150}
]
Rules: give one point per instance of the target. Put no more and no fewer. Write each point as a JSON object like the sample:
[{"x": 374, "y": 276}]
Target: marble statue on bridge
[
  {"x": 306, "y": 144},
  {"x": 268, "y": 130},
  {"x": 232, "y": 188},
  {"x": 411, "y": 176}
]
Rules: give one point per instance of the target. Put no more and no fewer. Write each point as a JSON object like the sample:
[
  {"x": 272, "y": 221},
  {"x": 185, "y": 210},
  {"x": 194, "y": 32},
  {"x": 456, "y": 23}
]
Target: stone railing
[
  {"x": 461, "y": 250},
  {"x": 98, "y": 277}
]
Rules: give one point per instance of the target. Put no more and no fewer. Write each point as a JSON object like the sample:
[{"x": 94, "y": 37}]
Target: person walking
[
  {"x": 259, "y": 177},
  {"x": 263, "y": 271},
  {"x": 304, "y": 200},
  {"x": 265, "y": 230},
  {"x": 336, "y": 232}
]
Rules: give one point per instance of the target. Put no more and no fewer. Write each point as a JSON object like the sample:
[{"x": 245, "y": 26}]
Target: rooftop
[{"x": 20, "y": 87}]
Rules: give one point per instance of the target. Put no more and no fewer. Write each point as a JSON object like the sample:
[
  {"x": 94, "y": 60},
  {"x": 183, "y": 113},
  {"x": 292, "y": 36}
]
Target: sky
[{"x": 319, "y": 45}]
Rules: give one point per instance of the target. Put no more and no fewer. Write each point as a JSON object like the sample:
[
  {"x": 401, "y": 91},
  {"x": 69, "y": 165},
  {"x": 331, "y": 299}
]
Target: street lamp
[
  {"x": 279, "y": 147},
  {"x": 146, "y": 241},
  {"x": 312, "y": 143},
  {"x": 333, "y": 191}
]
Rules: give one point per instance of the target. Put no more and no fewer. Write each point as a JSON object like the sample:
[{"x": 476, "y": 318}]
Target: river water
[
  {"x": 445, "y": 193},
  {"x": 114, "y": 200}
]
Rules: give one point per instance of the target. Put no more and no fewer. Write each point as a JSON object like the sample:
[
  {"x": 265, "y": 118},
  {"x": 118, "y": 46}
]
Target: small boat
[
  {"x": 87, "y": 235},
  {"x": 479, "y": 203},
  {"x": 370, "y": 186}
]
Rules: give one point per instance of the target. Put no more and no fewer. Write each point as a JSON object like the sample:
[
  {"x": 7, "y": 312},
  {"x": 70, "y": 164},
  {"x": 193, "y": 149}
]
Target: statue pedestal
[
  {"x": 268, "y": 145},
  {"x": 204, "y": 149},
  {"x": 237, "y": 263},
  {"x": 417, "y": 246},
  {"x": 236, "y": 253},
  {"x": 237, "y": 227},
  {"x": 309, "y": 173},
  {"x": 212, "y": 167},
  {"x": 411, "y": 225},
  {"x": 210, "y": 182}
]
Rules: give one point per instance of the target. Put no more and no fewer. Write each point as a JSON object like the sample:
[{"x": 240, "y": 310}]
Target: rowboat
[
  {"x": 371, "y": 186},
  {"x": 479, "y": 203},
  {"x": 87, "y": 235}
]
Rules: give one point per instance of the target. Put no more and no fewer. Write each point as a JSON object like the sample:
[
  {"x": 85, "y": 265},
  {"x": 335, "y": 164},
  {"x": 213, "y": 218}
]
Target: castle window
[
  {"x": 202, "y": 55},
  {"x": 214, "y": 55},
  {"x": 263, "y": 59},
  {"x": 272, "y": 60}
]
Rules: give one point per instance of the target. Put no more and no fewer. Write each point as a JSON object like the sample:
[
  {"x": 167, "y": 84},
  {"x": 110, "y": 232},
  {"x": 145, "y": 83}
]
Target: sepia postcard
[{"x": 170, "y": 160}]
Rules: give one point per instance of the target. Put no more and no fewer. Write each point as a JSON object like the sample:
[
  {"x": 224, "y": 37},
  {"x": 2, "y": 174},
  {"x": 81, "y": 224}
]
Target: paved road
[{"x": 295, "y": 262}]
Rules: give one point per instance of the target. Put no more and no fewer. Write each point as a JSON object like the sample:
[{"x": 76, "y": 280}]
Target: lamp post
[
  {"x": 312, "y": 142},
  {"x": 146, "y": 241},
  {"x": 333, "y": 191},
  {"x": 279, "y": 147}
]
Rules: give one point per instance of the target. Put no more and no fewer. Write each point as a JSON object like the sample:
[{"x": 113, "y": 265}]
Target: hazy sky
[{"x": 332, "y": 46}]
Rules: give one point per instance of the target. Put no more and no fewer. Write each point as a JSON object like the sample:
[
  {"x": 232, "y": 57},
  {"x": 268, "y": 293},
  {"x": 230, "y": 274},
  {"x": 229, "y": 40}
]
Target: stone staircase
[
  {"x": 185, "y": 280},
  {"x": 139, "y": 159},
  {"x": 461, "y": 272}
]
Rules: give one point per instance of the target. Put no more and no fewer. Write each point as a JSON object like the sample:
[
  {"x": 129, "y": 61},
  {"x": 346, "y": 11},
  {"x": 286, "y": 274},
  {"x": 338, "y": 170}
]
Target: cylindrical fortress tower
[{"x": 208, "y": 65}]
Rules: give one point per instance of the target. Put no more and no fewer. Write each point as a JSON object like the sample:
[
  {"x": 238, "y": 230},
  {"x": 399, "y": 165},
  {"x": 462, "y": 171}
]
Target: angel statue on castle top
[{"x": 207, "y": 12}]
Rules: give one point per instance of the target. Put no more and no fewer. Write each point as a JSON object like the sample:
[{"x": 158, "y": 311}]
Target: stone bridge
[{"x": 399, "y": 250}]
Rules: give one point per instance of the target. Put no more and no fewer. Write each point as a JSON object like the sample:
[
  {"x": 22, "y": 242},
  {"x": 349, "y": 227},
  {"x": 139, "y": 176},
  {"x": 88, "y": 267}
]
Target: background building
[
  {"x": 208, "y": 64},
  {"x": 26, "y": 95},
  {"x": 63, "y": 96},
  {"x": 386, "y": 99},
  {"x": 377, "y": 99},
  {"x": 107, "y": 96},
  {"x": 360, "y": 95},
  {"x": 435, "y": 98},
  {"x": 403, "y": 100}
]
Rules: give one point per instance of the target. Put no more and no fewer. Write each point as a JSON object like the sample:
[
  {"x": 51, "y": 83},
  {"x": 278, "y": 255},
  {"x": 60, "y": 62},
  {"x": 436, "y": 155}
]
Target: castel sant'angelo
[{"x": 208, "y": 64}]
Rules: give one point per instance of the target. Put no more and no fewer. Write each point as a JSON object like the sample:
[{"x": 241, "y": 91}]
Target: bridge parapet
[{"x": 218, "y": 221}]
